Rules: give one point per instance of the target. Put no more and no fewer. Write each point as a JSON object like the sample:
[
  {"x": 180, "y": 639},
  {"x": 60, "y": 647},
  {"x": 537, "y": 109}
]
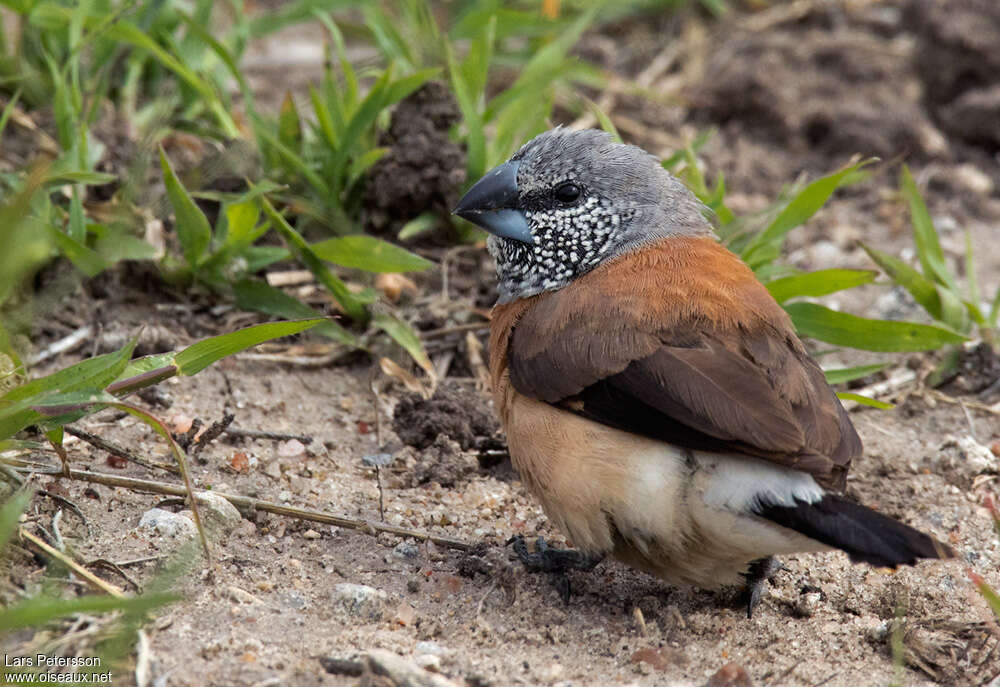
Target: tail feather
[{"x": 865, "y": 535}]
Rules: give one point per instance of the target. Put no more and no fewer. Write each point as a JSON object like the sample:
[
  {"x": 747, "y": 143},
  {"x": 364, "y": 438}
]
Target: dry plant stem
[
  {"x": 247, "y": 503},
  {"x": 15, "y": 479},
  {"x": 883, "y": 388},
  {"x": 454, "y": 329},
  {"x": 160, "y": 429},
  {"x": 90, "y": 577},
  {"x": 64, "y": 345},
  {"x": 264, "y": 434},
  {"x": 116, "y": 449},
  {"x": 966, "y": 404},
  {"x": 297, "y": 360}
]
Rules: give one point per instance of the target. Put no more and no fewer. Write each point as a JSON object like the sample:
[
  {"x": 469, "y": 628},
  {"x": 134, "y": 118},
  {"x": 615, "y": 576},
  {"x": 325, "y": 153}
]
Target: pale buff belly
[{"x": 678, "y": 514}]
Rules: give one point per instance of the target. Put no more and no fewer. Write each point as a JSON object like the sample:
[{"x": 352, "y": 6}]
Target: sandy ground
[{"x": 272, "y": 608}]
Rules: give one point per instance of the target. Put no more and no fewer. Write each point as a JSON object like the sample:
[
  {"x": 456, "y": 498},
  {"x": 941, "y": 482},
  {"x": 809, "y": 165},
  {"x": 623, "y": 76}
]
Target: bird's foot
[
  {"x": 760, "y": 572},
  {"x": 547, "y": 559},
  {"x": 556, "y": 561}
]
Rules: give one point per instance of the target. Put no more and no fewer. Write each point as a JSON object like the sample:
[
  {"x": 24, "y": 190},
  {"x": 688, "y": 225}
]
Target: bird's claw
[{"x": 760, "y": 572}]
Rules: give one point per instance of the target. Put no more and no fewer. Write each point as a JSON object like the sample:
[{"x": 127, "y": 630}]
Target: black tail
[{"x": 866, "y": 536}]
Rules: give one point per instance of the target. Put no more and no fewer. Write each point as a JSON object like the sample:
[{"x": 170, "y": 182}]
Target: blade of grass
[
  {"x": 842, "y": 329},
  {"x": 929, "y": 251},
  {"x": 864, "y": 400},
  {"x": 192, "y": 227},
  {"x": 370, "y": 254},
  {"x": 818, "y": 283},
  {"x": 200, "y": 355},
  {"x": 256, "y": 295},
  {"x": 766, "y": 246},
  {"x": 354, "y": 309},
  {"x": 405, "y": 336},
  {"x": 936, "y": 299},
  {"x": 849, "y": 374}
]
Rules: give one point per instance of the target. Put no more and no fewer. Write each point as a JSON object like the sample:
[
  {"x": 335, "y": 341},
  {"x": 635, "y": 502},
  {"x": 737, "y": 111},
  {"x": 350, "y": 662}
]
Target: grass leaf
[
  {"x": 928, "y": 246},
  {"x": 766, "y": 246},
  {"x": 849, "y": 374},
  {"x": 936, "y": 299},
  {"x": 256, "y": 295},
  {"x": 370, "y": 254},
  {"x": 818, "y": 283},
  {"x": 304, "y": 252},
  {"x": 864, "y": 400},
  {"x": 842, "y": 329},
  {"x": 405, "y": 336},
  {"x": 200, "y": 355},
  {"x": 191, "y": 224}
]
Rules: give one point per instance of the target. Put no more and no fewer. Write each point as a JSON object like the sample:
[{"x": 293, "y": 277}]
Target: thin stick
[
  {"x": 454, "y": 329},
  {"x": 888, "y": 386},
  {"x": 264, "y": 434},
  {"x": 90, "y": 577},
  {"x": 116, "y": 449},
  {"x": 247, "y": 503},
  {"x": 64, "y": 345}
]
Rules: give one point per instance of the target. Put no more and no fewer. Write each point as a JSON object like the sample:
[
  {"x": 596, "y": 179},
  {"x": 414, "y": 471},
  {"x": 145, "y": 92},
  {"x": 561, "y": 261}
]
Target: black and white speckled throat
[{"x": 569, "y": 241}]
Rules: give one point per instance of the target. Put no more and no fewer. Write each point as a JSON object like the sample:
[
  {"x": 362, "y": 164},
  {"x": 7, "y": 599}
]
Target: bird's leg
[
  {"x": 554, "y": 561},
  {"x": 759, "y": 572}
]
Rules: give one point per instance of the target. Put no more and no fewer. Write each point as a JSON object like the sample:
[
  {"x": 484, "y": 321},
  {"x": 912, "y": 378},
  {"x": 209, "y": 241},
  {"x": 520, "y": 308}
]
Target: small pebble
[{"x": 359, "y": 601}]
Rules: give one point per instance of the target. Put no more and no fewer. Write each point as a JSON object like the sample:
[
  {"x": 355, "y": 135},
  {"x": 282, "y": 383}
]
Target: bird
[{"x": 656, "y": 399}]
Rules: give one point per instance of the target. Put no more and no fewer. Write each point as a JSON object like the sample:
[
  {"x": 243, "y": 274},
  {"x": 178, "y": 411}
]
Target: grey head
[{"x": 568, "y": 201}]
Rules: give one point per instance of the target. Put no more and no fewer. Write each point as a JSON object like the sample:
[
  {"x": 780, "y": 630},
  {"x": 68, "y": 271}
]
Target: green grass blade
[
  {"x": 476, "y": 66},
  {"x": 818, "y": 283},
  {"x": 849, "y": 374},
  {"x": 88, "y": 375},
  {"x": 131, "y": 34},
  {"x": 405, "y": 336},
  {"x": 404, "y": 86},
  {"x": 40, "y": 610},
  {"x": 296, "y": 161},
  {"x": 292, "y": 13},
  {"x": 10, "y": 512},
  {"x": 929, "y": 251},
  {"x": 766, "y": 246},
  {"x": 370, "y": 254},
  {"x": 8, "y": 110},
  {"x": 324, "y": 118},
  {"x": 198, "y": 356},
  {"x": 289, "y": 124},
  {"x": 354, "y": 309},
  {"x": 604, "y": 120},
  {"x": 842, "y": 329},
  {"x": 84, "y": 258},
  {"x": 258, "y": 296},
  {"x": 475, "y": 134},
  {"x": 864, "y": 400},
  {"x": 939, "y": 303},
  {"x": 191, "y": 224},
  {"x": 987, "y": 592}
]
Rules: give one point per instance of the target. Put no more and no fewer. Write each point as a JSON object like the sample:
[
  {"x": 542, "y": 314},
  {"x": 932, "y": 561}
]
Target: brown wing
[{"x": 695, "y": 354}]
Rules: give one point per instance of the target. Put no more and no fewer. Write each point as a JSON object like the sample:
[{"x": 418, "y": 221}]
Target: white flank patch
[{"x": 741, "y": 484}]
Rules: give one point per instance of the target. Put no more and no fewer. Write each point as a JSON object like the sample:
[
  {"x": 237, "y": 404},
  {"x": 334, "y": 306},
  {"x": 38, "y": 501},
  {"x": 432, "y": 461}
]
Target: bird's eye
[{"x": 567, "y": 193}]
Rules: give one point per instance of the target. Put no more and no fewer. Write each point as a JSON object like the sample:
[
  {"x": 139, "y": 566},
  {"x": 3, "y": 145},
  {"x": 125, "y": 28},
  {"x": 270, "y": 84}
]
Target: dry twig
[
  {"x": 248, "y": 503},
  {"x": 90, "y": 577}
]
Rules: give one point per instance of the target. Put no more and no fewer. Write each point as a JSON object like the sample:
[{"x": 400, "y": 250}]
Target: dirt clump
[
  {"x": 817, "y": 91},
  {"x": 957, "y": 58},
  {"x": 460, "y": 414},
  {"x": 424, "y": 169},
  {"x": 443, "y": 462}
]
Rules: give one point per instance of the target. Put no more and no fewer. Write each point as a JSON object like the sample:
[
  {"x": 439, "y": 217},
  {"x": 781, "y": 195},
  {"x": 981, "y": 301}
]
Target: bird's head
[{"x": 569, "y": 200}]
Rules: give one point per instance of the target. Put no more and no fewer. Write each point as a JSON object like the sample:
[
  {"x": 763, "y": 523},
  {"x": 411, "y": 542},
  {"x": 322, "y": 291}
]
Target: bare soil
[{"x": 798, "y": 88}]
